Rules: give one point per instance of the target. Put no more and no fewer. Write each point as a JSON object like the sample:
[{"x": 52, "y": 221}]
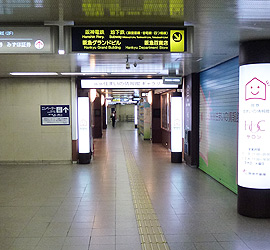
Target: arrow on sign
[
  {"x": 177, "y": 37},
  {"x": 65, "y": 109}
]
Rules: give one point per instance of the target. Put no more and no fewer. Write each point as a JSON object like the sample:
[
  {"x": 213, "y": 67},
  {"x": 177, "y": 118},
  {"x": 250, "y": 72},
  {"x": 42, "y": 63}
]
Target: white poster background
[
  {"x": 176, "y": 124},
  {"x": 84, "y": 127},
  {"x": 254, "y": 126}
]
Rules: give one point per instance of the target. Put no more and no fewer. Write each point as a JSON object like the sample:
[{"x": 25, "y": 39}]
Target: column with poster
[
  {"x": 253, "y": 139},
  {"x": 176, "y": 127}
]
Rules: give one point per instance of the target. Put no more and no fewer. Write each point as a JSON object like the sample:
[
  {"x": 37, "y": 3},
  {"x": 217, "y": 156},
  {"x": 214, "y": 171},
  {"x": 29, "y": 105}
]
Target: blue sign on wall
[{"x": 54, "y": 115}]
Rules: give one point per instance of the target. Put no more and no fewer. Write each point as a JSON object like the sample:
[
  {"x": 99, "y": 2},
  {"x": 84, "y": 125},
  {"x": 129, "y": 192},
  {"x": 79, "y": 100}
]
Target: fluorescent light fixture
[
  {"x": 134, "y": 73},
  {"x": 33, "y": 73},
  {"x": 61, "y": 52},
  {"x": 83, "y": 74},
  {"x": 135, "y": 114}
]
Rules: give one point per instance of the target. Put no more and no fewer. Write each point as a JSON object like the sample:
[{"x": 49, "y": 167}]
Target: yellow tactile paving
[{"x": 150, "y": 231}]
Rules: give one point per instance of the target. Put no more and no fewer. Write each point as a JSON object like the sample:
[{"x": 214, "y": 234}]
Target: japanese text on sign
[
  {"x": 126, "y": 39},
  {"x": 254, "y": 133},
  {"x": 54, "y": 115}
]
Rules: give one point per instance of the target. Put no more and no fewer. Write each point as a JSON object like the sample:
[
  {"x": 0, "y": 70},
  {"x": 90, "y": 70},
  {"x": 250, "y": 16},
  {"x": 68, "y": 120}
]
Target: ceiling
[{"x": 219, "y": 26}]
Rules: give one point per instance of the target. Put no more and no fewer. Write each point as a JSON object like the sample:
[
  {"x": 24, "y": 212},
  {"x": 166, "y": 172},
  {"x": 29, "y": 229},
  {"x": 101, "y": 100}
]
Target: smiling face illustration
[{"x": 255, "y": 89}]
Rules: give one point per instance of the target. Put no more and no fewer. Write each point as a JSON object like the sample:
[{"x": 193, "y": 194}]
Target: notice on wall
[
  {"x": 128, "y": 39},
  {"x": 25, "y": 40},
  {"x": 254, "y": 126},
  {"x": 54, "y": 115}
]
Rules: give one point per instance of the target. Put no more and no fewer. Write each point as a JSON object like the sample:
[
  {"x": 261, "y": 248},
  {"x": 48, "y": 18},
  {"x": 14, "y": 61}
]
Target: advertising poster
[
  {"x": 219, "y": 122},
  {"x": 254, "y": 126},
  {"x": 147, "y": 121}
]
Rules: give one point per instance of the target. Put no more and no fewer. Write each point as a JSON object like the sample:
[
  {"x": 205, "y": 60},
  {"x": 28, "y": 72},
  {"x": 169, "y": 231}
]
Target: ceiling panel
[{"x": 219, "y": 25}]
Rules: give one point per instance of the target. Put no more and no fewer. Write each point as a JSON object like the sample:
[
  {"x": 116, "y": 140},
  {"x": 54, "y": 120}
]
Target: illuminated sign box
[
  {"x": 126, "y": 84},
  {"x": 84, "y": 125},
  {"x": 254, "y": 132},
  {"x": 25, "y": 40},
  {"x": 128, "y": 39},
  {"x": 172, "y": 80},
  {"x": 54, "y": 115}
]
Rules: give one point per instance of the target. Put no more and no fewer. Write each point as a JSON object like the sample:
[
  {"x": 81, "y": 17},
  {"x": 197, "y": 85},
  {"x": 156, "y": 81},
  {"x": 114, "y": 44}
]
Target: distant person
[{"x": 113, "y": 116}]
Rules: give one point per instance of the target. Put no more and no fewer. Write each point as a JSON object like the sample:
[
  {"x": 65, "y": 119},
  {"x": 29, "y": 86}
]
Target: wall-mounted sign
[
  {"x": 126, "y": 84},
  {"x": 172, "y": 80},
  {"x": 128, "y": 39},
  {"x": 25, "y": 40},
  {"x": 54, "y": 115},
  {"x": 254, "y": 126}
]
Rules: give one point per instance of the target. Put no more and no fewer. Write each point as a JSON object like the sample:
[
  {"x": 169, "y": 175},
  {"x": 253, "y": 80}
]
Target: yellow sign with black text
[
  {"x": 177, "y": 41},
  {"x": 128, "y": 39}
]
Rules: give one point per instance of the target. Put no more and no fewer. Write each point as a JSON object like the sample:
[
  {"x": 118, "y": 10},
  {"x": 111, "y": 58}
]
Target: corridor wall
[
  {"x": 219, "y": 122},
  {"x": 23, "y": 139}
]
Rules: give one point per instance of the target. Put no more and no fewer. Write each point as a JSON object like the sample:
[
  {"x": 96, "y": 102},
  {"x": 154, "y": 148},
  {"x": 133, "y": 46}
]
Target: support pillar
[{"x": 254, "y": 129}]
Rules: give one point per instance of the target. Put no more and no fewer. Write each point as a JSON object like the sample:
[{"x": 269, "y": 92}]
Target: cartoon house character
[{"x": 255, "y": 89}]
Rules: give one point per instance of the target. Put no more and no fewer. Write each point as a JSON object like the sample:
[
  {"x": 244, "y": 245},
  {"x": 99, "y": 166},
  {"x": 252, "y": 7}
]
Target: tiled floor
[{"x": 89, "y": 207}]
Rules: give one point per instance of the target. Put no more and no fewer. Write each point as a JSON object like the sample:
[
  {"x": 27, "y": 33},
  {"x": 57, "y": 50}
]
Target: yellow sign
[
  {"x": 177, "y": 41},
  {"x": 123, "y": 39}
]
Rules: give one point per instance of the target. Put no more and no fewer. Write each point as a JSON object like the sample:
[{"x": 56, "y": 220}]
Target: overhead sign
[
  {"x": 172, "y": 80},
  {"x": 54, "y": 115},
  {"x": 126, "y": 84},
  {"x": 254, "y": 129},
  {"x": 25, "y": 40},
  {"x": 128, "y": 39}
]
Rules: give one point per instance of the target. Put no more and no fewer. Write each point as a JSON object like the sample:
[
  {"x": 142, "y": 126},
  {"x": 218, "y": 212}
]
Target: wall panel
[
  {"x": 23, "y": 139},
  {"x": 219, "y": 122}
]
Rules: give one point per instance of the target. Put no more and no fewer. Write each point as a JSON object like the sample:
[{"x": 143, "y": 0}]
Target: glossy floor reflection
[{"x": 87, "y": 207}]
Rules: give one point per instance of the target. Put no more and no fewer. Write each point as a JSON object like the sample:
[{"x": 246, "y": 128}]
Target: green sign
[{"x": 91, "y": 39}]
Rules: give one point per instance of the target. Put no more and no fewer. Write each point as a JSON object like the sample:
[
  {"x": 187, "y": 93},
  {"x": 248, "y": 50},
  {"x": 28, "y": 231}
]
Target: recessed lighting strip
[
  {"x": 33, "y": 73},
  {"x": 134, "y": 73},
  {"x": 83, "y": 74}
]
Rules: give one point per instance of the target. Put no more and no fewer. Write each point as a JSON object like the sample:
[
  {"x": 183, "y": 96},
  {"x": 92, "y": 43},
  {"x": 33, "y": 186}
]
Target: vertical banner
[
  {"x": 176, "y": 124},
  {"x": 136, "y": 116},
  {"x": 254, "y": 126},
  {"x": 84, "y": 126}
]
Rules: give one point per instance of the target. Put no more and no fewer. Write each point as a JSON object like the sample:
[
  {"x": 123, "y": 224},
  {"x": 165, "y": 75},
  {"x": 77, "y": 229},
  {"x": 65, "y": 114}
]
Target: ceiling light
[
  {"x": 61, "y": 52},
  {"x": 83, "y": 74},
  {"x": 33, "y": 73},
  {"x": 134, "y": 73}
]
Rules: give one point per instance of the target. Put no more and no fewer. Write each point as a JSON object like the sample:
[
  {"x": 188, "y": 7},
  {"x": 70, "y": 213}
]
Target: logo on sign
[
  {"x": 177, "y": 41},
  {"x": 255, "y": 89},
  {"x": 177, "y": 37},
  {"x": 39, "y": 44}
]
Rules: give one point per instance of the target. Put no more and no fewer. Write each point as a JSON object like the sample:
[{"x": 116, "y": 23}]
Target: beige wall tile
[
  {"x": 56, "y": 146},
  {"x": 22, "y": 136}
]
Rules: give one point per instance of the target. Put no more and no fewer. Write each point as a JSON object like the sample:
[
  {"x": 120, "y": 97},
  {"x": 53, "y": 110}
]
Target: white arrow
[{"x": 65, "y": 109}]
